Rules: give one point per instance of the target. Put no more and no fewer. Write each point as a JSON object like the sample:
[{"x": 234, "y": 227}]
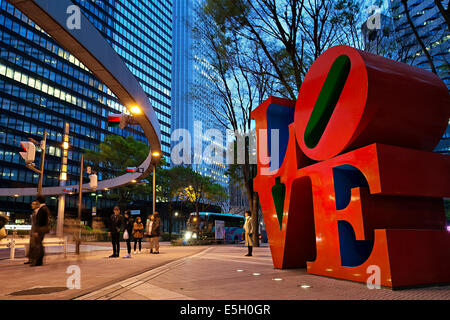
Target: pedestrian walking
[
  {"x": 155, "y": 233},
  {"x": 128, "y": 230},
  {"x": 116, "y": 223},
  {"x": 138, "y": 233},
  {"x": 40, "y": 226},
  {"x": 248, "y": 227}
]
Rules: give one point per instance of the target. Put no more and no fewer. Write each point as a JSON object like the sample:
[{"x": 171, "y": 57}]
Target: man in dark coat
[
  {"x": 35, "y": 207},
  {"x": 40, "y": 226},
  {"x": 155, "y": 233},
  {"x": 116, "y": 223}
]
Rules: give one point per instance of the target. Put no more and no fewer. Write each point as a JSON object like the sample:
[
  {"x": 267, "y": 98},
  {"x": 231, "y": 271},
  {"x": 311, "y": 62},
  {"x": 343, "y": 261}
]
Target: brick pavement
[
  {"x": 48, "y": 282},
  {"x": 184, "y": 273},
  {"x": 223, "y": 273}
]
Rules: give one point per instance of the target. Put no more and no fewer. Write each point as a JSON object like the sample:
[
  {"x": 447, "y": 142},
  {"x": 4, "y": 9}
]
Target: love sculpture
[{"x": 358, "y": 185}]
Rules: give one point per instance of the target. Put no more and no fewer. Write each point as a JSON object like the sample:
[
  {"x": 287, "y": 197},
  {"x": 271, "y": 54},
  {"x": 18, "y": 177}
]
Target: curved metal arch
[{"x": 88, "y": 46}]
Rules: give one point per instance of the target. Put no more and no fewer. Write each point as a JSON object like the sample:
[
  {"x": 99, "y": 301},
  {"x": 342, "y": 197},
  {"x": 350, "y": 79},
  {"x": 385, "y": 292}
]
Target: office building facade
[
  {"x": 43, "y": 86},
  {"x": 192, "y": 101},
  {"x": 434, "y": 32}
]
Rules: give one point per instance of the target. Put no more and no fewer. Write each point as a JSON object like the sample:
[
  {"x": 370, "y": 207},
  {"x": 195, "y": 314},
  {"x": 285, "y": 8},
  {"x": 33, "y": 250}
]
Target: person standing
[
  {"x": 3, "y": 221},
  {"x": 138, "y": 233},
  {"x": 40, "y": 227},
  {"x": 35, "y": 208},
  {"x": 248, "y": 227},
  {"x": 148, "y": 231},
  {"x": 128, "y": 229},
  {"x": 116, "y": 223},
  {"x": 155, "y": 233}
]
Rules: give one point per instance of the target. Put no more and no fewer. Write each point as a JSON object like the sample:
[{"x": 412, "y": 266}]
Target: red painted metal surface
[
  {"x": 383, "y": 101},
  {"x": 388, "y": 191}
]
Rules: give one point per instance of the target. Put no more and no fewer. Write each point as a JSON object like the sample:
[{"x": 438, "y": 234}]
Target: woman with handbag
[
  {"x": 138, "y": 233},
  {"x": 127, "y": 232}
]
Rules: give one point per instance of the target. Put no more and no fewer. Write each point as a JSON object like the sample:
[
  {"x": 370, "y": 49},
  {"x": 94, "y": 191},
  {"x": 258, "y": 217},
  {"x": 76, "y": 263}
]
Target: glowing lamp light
[
  {"x": 156, "y": 154},
  {"x": 63, "y": 176},
  {"x": 65, "y": 145},
  {"x": 133, "y": 181},
  {"x": 135, "y": 110}
]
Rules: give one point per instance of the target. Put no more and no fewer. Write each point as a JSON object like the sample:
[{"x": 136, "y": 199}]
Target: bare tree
[
  {"x": 445, "y": 12},
  {"x": 418, "y": 38}
]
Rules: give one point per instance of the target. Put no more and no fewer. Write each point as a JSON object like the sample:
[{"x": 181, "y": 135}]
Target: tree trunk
[
  {"x": 197, "y": 225},
  {"x": 445, "y": 13},
  {"x": 255, "y": 220},
  {"x": 170, "y": 221}
]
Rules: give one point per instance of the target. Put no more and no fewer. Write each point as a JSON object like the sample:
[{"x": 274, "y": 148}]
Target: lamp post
[
  {"x": 94, "y": 209},
  {"x": 155, "y": 160},
  {"x": 62, "y": 182},
  {"x": 154, "y": 188},
  {"x": 176, "y": 220},
  {"x": 80, "y": 203},
  {"x": 41, "y": 176}
]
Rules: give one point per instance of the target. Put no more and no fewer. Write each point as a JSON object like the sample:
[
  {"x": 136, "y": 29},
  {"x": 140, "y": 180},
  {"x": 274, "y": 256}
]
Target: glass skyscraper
[
  {"x": 192, "y": 102},
  {"x": 43, "y": 86},
  {"x": 396, "y": 40},
  {"x": 434, "y": 32}
]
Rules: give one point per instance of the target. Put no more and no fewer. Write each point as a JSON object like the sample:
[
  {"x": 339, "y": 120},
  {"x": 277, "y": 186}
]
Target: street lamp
[
  {"x": 62, "y": 182},
  {"x": 156, "y": 155},
  {"x": 94, "y": 209},
  {"x": 135, "y": 110}
]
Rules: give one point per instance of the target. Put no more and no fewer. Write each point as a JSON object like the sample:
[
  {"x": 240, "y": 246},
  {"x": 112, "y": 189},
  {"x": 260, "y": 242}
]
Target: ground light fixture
[
  {"x": 256, "y": 274},
  {"x": 239, "y": 270},
  {"x": 305, "y": 286},
  {"x": 277, "y": 279}
]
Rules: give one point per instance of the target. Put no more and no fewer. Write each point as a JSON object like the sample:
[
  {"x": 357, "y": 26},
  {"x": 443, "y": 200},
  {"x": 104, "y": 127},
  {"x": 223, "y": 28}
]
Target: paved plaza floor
[{"x": 186, "y": 273}]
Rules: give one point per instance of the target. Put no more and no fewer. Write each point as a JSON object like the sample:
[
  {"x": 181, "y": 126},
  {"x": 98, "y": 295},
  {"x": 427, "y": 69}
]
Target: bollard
[{"x": 12, "y": 246}]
